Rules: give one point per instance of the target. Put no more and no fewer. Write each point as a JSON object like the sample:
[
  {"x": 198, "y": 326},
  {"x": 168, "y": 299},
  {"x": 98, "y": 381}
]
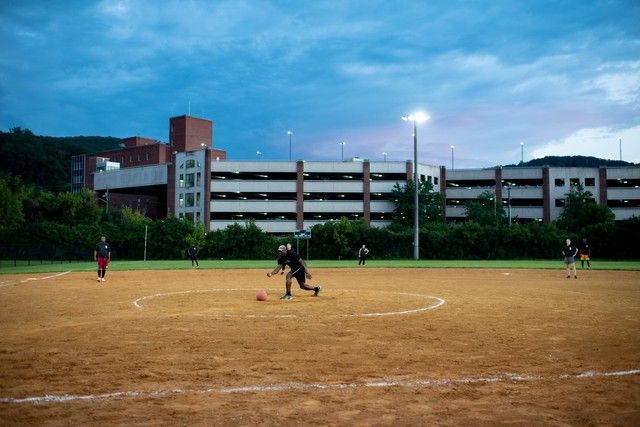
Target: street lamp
[
  {"x": 290, "y": 133},
  {"x": 342, "y": 143},
  {"x": 258, "y": 153},
  {"x": 521, "y": 152},
  {"x": 452, "y": 147},
  {"x": 384, "y": 154},
  {"x": 416, "y": 118}
]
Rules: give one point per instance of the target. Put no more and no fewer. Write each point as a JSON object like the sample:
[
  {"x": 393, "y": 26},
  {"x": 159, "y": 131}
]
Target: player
[
  {"x": 362, "y": 255},
  {"x": 298, "y": 269},
  {"x": 193, "y": 254},
  {"x": 102, "y": 254},
  {"x": 569, "y": 252},
  {"x": 585, "y": 253}
]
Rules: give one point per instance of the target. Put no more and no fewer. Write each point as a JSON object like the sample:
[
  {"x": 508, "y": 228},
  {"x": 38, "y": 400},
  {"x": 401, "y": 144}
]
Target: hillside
[
  {"x": 572, "y": 161},
  {"x": 45, "y": 161}
]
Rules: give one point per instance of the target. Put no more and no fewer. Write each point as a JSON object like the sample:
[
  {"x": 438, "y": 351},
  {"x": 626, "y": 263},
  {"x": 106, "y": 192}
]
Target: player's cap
[{"x": 282, "y": 248}]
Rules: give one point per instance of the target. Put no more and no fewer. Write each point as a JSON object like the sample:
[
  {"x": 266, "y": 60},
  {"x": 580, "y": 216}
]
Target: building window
[
  {"x": 180, "y": 215},
  {"x": 435, "y": 180},
  {"x": 197, "y": 199},
  {"x": 138, "y": 156},
  {"x": 559, "y": 182},
  {"x": 181, "y": 181},
  {"x": 130, "y": 158},
  {"x": 198, "y": 218},
  {"x": 189, "y": 216},
  {"x": 560, "y": 203},
  {"x": 189, "y": 200},
  {"x": 198, "y": 179},
  {"x": 191, "y": 163},
  {"x": 589, "y": 182},
  {"x": 181, "y": 200},
  {"x": 574, "y": 181},
  {"x": 190, "y": 180},
  {"x": 147, "y": 156}
]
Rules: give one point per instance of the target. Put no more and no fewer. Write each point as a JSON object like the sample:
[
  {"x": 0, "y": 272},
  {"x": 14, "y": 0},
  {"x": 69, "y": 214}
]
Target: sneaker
[
  {"x": 575, "y": 277},
  {"x": 568, "y": 277},
  {"x": 99, "y": 280},
  {"x": 102, "y": 280},
  {"x": 316, "y": 291},
  {"x": 287, "y": 297}
]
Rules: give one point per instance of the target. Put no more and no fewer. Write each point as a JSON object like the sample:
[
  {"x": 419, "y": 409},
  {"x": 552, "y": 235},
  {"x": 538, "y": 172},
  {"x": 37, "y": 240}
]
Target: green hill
[
  {"x": 45, "y": 161},
  {"x": 572, "y": 161}
]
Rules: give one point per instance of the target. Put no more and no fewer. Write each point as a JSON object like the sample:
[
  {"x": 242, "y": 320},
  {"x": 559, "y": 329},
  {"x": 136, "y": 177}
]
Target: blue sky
[{"x": 562, "y": 77}]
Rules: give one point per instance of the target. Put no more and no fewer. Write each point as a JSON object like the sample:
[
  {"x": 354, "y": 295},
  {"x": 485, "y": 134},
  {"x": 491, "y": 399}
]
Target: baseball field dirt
[{"x": 376, "y": 347}]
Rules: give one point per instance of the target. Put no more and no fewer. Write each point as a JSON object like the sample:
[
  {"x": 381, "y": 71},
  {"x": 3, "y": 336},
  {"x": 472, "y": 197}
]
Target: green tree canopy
[
  {"x": 581, "y": 211},
  {"x": 485, "y": 210},
  {"x": 430, "y": 203}
]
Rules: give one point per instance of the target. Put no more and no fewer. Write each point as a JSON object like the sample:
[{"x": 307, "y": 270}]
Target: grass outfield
[{"x": 7, "y": 267}]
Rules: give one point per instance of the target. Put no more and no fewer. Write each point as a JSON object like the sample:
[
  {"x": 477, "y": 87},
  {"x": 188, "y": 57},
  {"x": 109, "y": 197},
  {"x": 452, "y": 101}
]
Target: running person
[
  {"x": 569, "y": 252},
  {"x": 585, "y": 253},
  {"x": 102, "y": 254},
  {"x": 298, "y": 269}
]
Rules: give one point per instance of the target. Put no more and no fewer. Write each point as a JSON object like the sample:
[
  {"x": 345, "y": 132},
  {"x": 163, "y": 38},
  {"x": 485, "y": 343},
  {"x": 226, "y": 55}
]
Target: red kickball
[{"x": 261, "y": 296}]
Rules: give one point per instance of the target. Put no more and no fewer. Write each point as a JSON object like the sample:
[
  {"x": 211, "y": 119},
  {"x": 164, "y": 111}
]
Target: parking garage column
[
  {"x": 602, "y": 187},
  {"x": 299, "y": 195},
  {"x": 366, "y": 191},
  {"x": 546, "y": 196}
]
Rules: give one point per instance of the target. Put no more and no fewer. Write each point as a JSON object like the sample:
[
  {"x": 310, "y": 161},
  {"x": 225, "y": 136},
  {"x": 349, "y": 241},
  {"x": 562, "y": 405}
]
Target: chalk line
[
  {"x": 138, "y": 303},
  {"x": 299, "y": 386},
  {"x": 33, "y": 279}
]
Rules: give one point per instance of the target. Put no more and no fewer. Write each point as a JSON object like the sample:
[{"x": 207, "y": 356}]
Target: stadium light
[
  {"x": 342, "y": 144},
  {"x": 290, "y": 133},
  {"x": 416, "y": 118}
]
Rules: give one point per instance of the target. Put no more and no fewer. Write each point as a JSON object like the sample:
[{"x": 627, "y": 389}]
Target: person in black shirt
[
  {"x": 193, "y": 254},
  {"x": 585, "y": 253},
  {"x": 298, "y": 269},
  {"x": 102, "y": 254},
  {"x": 362, "y": 255},
  {"x": 569, "y": 252}
]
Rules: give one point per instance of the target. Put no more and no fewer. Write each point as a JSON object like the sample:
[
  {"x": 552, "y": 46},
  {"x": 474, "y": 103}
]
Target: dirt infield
[{"x": 377, "y": 347}]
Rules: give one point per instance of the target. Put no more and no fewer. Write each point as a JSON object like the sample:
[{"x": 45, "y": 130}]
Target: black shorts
[{"x": 299, "y": 275}]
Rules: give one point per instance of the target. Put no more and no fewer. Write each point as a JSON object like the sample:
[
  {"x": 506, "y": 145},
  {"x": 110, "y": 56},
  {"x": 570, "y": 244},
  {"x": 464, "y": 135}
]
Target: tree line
[{"x": 41, "y": 224}]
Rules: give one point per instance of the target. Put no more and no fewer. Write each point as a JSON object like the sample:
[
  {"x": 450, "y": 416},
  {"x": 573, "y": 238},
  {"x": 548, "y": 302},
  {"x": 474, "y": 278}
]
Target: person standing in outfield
[
  {"x": 193, "y": 254},
  {"x": 585, "y": 253},
  {"x": 569, "y": 252},
  {"x": 298, "y": 269},
  {"x": 102, "y": 254},
  {"x": 362, "y": 255}
]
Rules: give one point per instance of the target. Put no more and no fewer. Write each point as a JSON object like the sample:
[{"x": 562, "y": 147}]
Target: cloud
[{"x": 600, "y": 142}]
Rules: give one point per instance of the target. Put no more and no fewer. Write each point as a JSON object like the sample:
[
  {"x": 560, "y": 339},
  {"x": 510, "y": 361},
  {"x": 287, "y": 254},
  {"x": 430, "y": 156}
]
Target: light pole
[
  {"x": 342, "y": 143},
  {"x": 290, "y": 134},
  {"x": 416, "y": 118},
  {"x": 384, "y": 154},
  {"x": 521, "y": 152},
  {"x": 258, "y": 153},
  {"x": 620, "y": 141},
  {"x": 452, "y": 147}
]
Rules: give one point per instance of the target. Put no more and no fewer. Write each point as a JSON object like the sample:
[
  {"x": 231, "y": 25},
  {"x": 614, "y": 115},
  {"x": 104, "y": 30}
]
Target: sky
[{"x": 501, "y": 80}]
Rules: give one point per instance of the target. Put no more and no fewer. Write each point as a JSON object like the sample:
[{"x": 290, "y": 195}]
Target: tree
[
  {"x": 581, "y": 211},
  {"x": 11, "y": 214},
  {"x": 485, "y": 209},
  {"x": 430, "y": 203}
]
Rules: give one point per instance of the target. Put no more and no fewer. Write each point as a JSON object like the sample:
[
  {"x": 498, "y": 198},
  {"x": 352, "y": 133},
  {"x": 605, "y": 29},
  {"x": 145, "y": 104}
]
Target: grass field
[{"x": 7, "y": 267}]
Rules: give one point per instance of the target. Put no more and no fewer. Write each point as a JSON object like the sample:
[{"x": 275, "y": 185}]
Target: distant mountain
[
  {"x": 572, "y": 161},
  {"x": 45, "y": 161}
]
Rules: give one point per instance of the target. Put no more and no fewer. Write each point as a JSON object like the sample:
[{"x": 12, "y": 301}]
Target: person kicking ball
[{"x": 298, "y": 269}]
